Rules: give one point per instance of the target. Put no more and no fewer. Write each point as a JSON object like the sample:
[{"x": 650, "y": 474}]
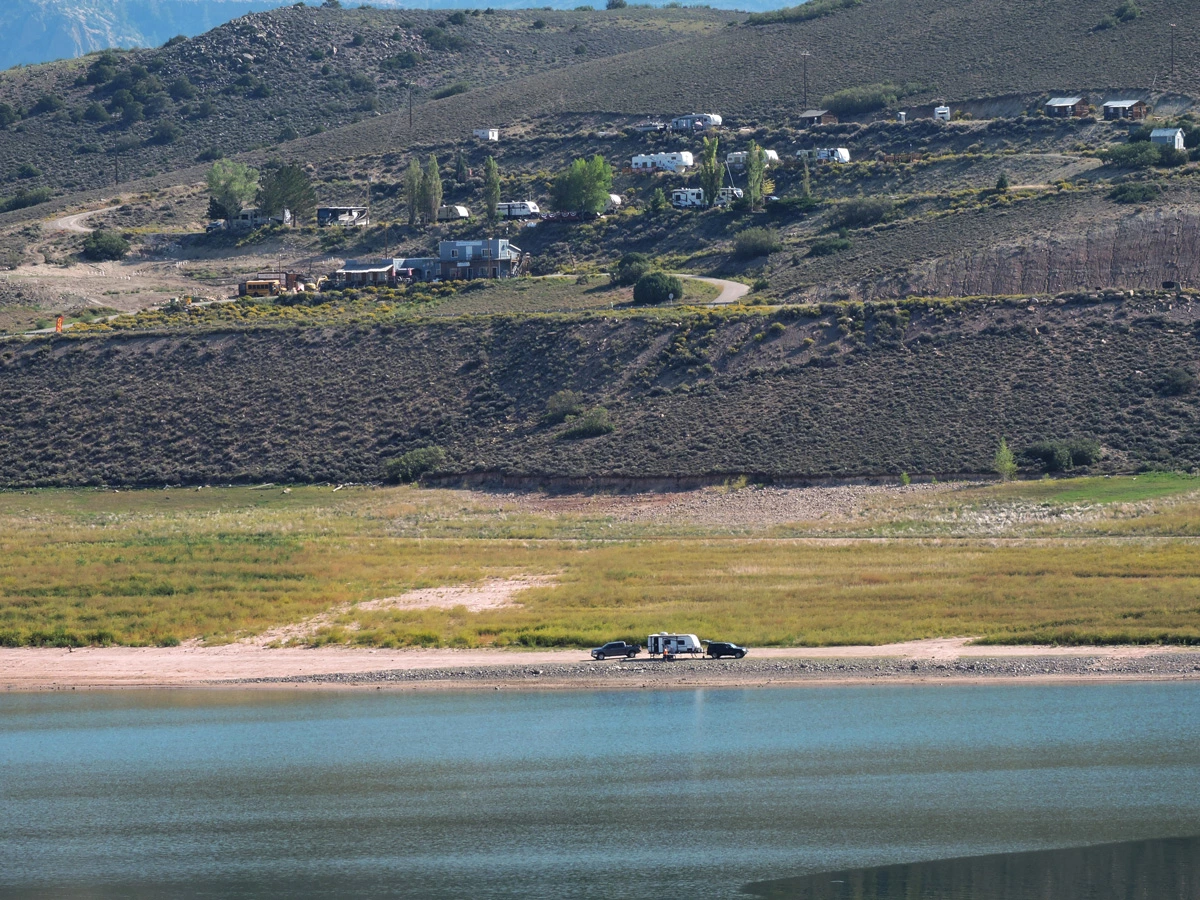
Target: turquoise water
[{"x": 581, "y": 794}]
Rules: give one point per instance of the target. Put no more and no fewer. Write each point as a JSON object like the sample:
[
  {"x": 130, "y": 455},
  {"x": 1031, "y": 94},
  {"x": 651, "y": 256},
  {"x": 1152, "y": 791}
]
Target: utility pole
[
  {"x": 116, "y": 169},
  {"x": 1172, "y": 54},
  {"x": 410, "y": 87},
  {"x": 368, "y": 199},
  {"x": 804, "y": 55}
]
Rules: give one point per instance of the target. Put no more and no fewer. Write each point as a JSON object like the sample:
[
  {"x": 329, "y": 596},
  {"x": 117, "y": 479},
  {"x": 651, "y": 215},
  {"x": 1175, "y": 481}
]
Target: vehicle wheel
[{"x": 740, "y": 655}]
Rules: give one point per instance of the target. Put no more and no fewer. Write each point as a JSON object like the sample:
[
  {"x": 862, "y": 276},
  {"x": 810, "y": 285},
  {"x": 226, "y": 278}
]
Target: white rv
[
  {"x": 487, "y": 134},
  {"x": 738, "y": 158},
  {"x": 613, "y": 203},
  {"x": 669, "y": 162},
  {"x": 687, "y": 197},
  {"x": 452, "y": 213},
  {"x": 696, "y": 122},
  {"x": 826, "y": 154},
  {"x": 517, "y": 209},
  {"x": 673, "y": 644},
  {"x": 941, "y": 113},
  {"x": 727, "y": 195}
]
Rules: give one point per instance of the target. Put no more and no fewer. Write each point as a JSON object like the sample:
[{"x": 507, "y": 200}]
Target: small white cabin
[
  {"x": 517, "y": 209},
  {"x": 452, "y": 213},
  {"x": 941, "y": 113},
  {"x": 487, "y": 134},
  {"x": 673, "y": 644},
  {"x": 1168, "y": 137},
  {"x": 684, "y": 198}
]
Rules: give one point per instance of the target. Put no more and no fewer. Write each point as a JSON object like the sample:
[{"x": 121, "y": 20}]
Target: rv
[
  {"x": 613, "y": 203},
  {"x": 727, "y": 195},
  {"x": 738, "y": 158},
  {"x": 687, "y": 197},
  {"x": 827, "y": 154},
  {"x": 669, "y": 162},
  {"x": 663, "y": 644},
  {"x": 696, "y": 122},
  {"x": 452, "y": 213},
  {"x": 346, "y": 216},
  {"x": 517, "y": 209}
]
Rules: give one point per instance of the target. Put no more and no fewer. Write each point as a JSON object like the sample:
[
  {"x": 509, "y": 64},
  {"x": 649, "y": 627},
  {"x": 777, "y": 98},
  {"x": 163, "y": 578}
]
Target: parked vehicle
[
  {"x": 682, "y": 198},
  {"x": 674, "y": 161},
  {"x": 452, "y": 213},
  {"x": 738, "y": 158},
  {"x": 717, "y": 649},
  {"x": 826, "y": 154},
  {"x": 214, "y": 226},
  {"x": 664, "y": 644},
  {"x": 727, "y": 195},
  {"x": 613, "y": 203},
  {"x": 517, "y": 209},
  {"x": 616, "y": 648}
]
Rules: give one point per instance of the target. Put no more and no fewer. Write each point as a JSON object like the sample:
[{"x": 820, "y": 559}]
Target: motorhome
[
  {"x": 826, "y": 154},
  {"x": 517, "y": 209},
  {"x": 673, "y": 644},
  {"x": 687, "y": 197},
  {"x": 669, "y": 162},
  {"x": 738, "y": 158},
  {"x": 452, "y": 213}
]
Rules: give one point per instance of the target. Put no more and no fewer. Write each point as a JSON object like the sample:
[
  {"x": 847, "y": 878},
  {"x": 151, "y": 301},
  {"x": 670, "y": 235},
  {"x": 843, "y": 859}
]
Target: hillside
[{"x": 927, "y": 388}]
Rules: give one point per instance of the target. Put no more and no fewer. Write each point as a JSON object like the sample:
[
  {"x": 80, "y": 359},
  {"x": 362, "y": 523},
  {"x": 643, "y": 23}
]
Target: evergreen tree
[
  {"x": 287, "y": 187},
  {"x": 710, "y": 170},
  {"x": 491, "y": 187},
  {"x": 756, "y": 167},
  {"x": 412, "y": 190},
  {"x": 461, "y": 171},
  {"x": 1002, "y": 183}
]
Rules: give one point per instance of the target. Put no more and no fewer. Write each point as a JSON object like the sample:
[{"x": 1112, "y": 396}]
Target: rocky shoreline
[{"x": 750, "y": 672}]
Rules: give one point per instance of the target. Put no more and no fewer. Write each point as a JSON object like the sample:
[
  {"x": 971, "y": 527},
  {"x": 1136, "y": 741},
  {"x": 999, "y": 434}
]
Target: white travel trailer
[
  {"x": 487, "y": 134},
  {"x": 613, "y": 203},
  {"x": 826, "y": 154},
  {"x": 696, "y": 122},
  {"x": 668, "y": 162},
  {"x": 517, "y": 209},
  {"x": 941, "y": 113},
  {"x": 687, "y": 197},
  {"x": 673, "y": 644},
  {"x": 727, "y": 195},
  {"x": 452, "y": 213},
  {"x": 738, "y": 158}
]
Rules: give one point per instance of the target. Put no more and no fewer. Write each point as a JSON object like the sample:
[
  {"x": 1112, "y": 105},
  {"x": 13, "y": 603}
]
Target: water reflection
[{"x": 1166, "y": 869}]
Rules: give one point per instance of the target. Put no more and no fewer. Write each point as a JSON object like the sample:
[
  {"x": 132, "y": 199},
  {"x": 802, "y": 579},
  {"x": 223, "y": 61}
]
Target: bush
[
  {"x": 459, "y": 87},
  {"x": 438, "y": 39},
  {"x": 24, "y": 199},
  {"x": 654, "y": 288},
  {"x": 1175, "y": 382},
  {"x": 593, "y": 423},
  {"x": 1135, "y": 193},
  {"x": 755, "y": 242},
  {"x": 410, "y": 466},
  {"x": 166, "y": 133},
  {"x": 828, "y": 246},
  {"x": 1059, "y": 456},
  {"x": 405, "y": 60},
  {"x": 1136, "y": 155},
  {"x": 615, "y": 4},
  {"x": 102, "y": 244},
  {"x": 865, "y": 98},
  {"x": 47, "y": 103},
  {"x": 631, "y": 267},
  {"x": 562, "y": 405},
  {"x": 861, "y": 212}
]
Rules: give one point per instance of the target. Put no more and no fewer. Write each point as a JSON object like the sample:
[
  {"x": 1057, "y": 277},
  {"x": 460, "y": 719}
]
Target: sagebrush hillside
[{"x": 926, "y": 388}]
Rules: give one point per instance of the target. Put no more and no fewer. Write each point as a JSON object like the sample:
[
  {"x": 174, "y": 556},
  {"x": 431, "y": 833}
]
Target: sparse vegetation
[{"x": 755, "y": 242}]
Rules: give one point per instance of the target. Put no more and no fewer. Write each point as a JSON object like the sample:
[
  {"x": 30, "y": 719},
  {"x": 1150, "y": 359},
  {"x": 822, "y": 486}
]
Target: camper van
[
  {"x": 452, "y": 213},
  {"x": 664, "y": 644},
  {"x": 684, "y": 198},
  {"x": 517, "y": 209}
]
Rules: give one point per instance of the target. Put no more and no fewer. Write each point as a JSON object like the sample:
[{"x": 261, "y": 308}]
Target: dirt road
[
  {"x": 75, "y": 223},
  {"x": 731, "y": 291}
]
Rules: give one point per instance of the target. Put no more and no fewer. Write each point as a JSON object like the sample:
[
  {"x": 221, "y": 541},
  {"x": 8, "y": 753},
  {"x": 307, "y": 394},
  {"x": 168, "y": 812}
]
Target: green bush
[
  {"x": 828, "y": 246},
  {"x": 438, "y": 39},
  {"x": 593, "y": 423},
  {"x": 1175, "y": 382},
  {"x": 459, "y": 87},
  {"x": 861, "y": 99},
  {"x": 1135, "y": 193},
  {"x": 755, "y": 242},
  {"x": 410, "y": 466},
  {"x": 631, "y": 267},
  {"x": 103, "y": 244},
  {"x": 405, "y": 60},
  {"x": 654, "y": 288},
  {"x": 24, "y": 199},
  {"x": 861, "y": 212},
  {"x": 1135, "y": 155},
  {"x": 562, "y": 405},
  {"x": 1059, "y": 456}
]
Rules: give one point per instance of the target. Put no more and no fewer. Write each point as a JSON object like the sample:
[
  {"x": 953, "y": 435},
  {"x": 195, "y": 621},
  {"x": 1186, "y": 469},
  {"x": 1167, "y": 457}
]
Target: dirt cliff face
[{"x": 1139, "y": 251}]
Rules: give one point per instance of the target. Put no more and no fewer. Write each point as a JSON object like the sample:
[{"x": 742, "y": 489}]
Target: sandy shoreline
[{"x": 242, "y": 665}]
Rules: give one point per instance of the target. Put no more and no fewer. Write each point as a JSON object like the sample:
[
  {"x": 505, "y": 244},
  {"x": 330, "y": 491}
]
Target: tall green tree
[
  {"x": 491, "y": 187},
  {"x": 431, "y": 189},
  {"x": 1004, "y": 463},
  {"x": 413, "y": 178},
  {"x": 806, "y": 183},
  {"x": 756, "y": 168},
  {"x": 710, "y": 170},
  {"x": 231, "y": 185},
  {"x": 584, "y": 187},
  {"x": 287, "y": 187},
  {"x": 461, "y": 170}
]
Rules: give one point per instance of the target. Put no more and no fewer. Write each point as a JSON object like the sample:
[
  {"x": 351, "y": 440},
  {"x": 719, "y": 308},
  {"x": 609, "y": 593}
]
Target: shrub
[
  {"x": 166, "y": 133},
  {"x": 1059, "y": 456},
  {"x": 615, "y": 4},
  {"x": 861, "y": 212},
  {"x": 1135, "y": 155},
  {"x": 657, "y": 287},
  {"x": 459, "y": 87},
  {"x": 24, "y": 199},
  {"x": 631, "y": 267},
  {"x": 755, "y": 242},
  {"x": 539, "y": 23},
  {"x": 8, "y": 115},
  {"x": 405, "y": 60},
  {"x": 102, "y": 244},
  {"x": 811, "y": 10},
  {"x": 410, "y": 466},
  {"x": 563, "y": 404},
  {"x": 1004, "y": 463},
  {"x": 438, "y": 39},
  {"x": 47, "y": 103},
  {"x": 1135, "y": 193},
  {"x": 865, "y": 98},
  {"x": 1175, "y": 382},
  {"x": 457, "y": 18},
  {"x": 593, "y": 423},
  {"x": 828, "y": 246}
]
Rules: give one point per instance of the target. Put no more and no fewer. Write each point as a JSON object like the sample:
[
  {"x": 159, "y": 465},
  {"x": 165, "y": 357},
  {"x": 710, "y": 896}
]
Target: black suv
[
  {"x": 717, "y": 649},
  {"x": 616, "y": 648}
]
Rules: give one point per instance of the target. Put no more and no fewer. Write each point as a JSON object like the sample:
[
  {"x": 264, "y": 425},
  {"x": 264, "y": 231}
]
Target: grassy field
[{"x": 160, "y": 567}]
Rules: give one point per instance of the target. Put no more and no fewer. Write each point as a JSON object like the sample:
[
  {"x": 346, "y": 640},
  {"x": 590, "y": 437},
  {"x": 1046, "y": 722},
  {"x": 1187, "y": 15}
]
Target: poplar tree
[
  {"x": 491, "y": 187},
  {"x": 756, "y": 167},
  {"x": 412, "y": 190},
  {"x": 710, "y": 171},
  {"x": 431, "y": 189},
  {"x": 1004, "y": 463}
]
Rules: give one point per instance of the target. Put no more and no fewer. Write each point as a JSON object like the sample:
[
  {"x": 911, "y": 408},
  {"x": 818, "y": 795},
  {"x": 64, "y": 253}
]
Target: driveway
[{"x": 76, "y": 223}]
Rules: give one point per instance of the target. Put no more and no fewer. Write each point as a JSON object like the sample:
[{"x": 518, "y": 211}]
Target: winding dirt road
[{"x": 75, "y": 223}]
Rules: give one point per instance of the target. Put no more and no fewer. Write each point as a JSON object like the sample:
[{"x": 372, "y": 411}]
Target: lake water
[{"x": 596, "y": 794}]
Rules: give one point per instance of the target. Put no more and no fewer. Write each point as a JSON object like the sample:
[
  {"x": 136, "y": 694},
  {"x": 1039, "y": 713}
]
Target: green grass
[
  {"x": 1133, "y": 489},
  {"x": 160, "y": 567}
]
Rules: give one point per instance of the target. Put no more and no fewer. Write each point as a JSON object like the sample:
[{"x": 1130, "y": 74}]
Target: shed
[
  {"x": 369, "y": 273},
  {"x": 811, "y": 117},
  {"x": 1126, "y": 109},
  {"x": 1068, "y": 107},
  {"x": 1168, "y": 137},
  {"x": 487, "y": 134}
]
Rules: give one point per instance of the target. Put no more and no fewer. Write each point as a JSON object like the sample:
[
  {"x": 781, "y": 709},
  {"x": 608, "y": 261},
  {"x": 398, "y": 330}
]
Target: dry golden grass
[{"x": 158, "y": 567}]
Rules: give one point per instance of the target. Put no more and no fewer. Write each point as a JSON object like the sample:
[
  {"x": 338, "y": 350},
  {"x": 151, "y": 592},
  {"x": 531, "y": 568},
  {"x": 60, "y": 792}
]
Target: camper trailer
[
  {"x": 668, "y": 162},
  {"x": 738, "y": 158},
  {"x": 696, "y": 122},
  {"x": 452, "y": 213},
  {"x": 826, "y": 154},
  {"x": 683, "y": 198},
  {"x": 941, "y": 113},
  {"x": 664, "y": 644},
  {"x": 613, "y": 203},
  {"x": 517, "y": 209},
  {"x": 727, "y": 195}
]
